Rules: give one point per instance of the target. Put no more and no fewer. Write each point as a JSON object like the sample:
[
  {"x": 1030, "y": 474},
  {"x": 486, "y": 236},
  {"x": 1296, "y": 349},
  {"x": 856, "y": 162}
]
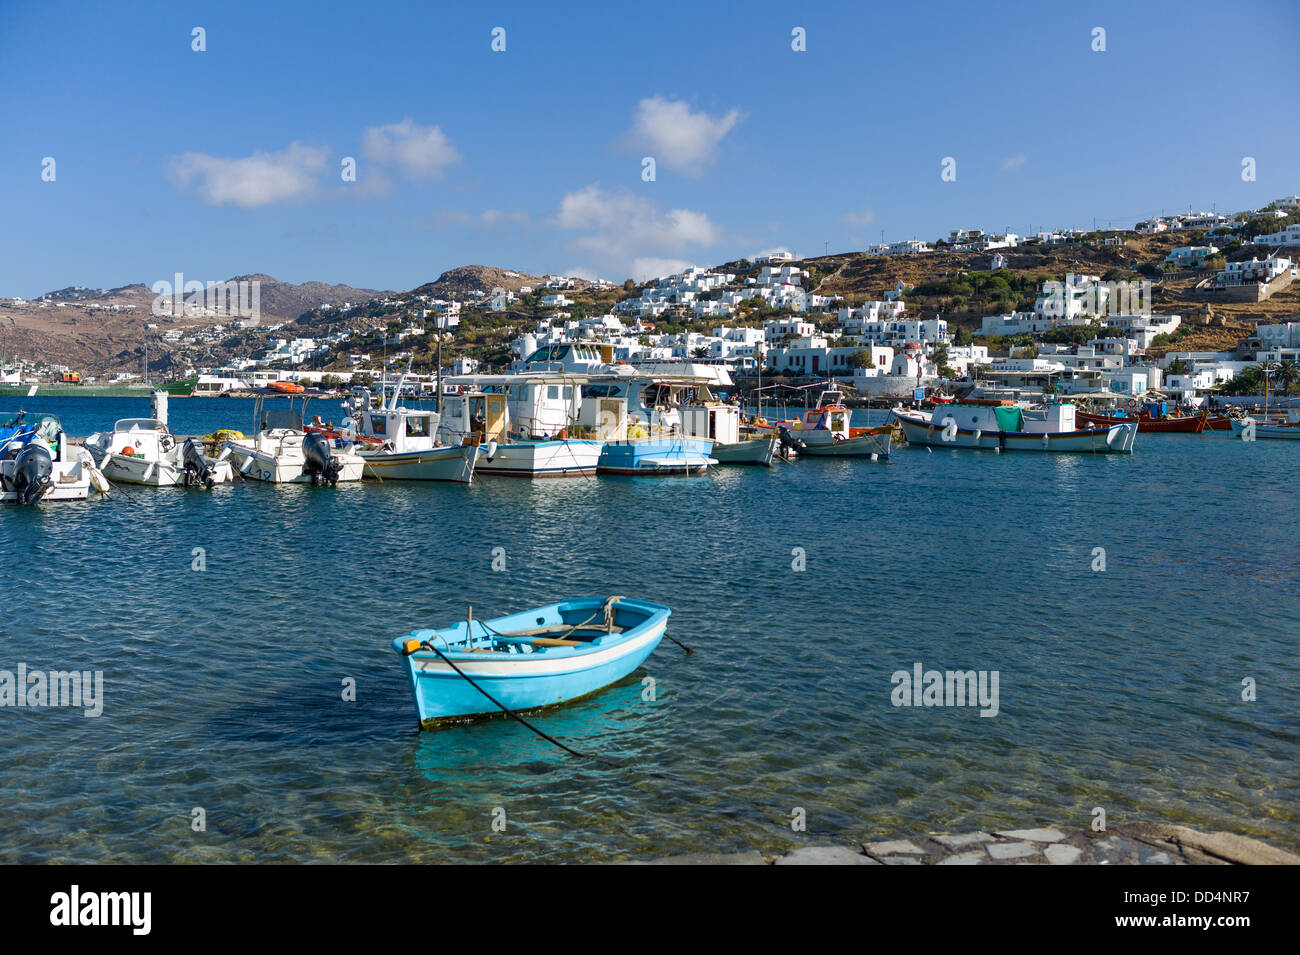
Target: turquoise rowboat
[{"x": 528, "y": 660}]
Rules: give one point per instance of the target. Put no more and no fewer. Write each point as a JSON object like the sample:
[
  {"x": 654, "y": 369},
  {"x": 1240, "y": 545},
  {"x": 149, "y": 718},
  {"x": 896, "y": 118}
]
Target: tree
[
  {"x": 862, "y": 359},
  {"x": 940, "y": 359},
  {"x": 1287, "y": 374}
]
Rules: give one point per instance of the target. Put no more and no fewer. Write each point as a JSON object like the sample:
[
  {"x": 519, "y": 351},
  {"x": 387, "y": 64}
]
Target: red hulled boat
[{"x": 1186, "y": 424}]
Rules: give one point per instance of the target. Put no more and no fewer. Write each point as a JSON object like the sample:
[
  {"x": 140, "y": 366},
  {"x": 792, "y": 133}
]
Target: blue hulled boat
[
  {"x": 531, "y": 659},
  {"x": 660, "y": 455}
]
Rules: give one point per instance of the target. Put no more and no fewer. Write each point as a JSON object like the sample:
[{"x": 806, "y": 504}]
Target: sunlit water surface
[{"x": 224, "y": 687}]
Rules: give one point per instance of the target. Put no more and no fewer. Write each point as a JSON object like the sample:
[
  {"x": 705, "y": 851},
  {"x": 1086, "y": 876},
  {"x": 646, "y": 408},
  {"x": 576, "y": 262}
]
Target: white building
[
  {"x": 1076, "y": 297},
  {"x": 1191, "y": 255},
  {"x": 1290, "y": 236},
  {"x": 1260, "y": 271}
]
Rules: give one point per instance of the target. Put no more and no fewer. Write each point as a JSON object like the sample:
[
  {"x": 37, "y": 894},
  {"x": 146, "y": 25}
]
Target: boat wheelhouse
[
  {"x": 528, "y": 424},
  {"x": 658, "y": 436},
  {"x": 400, "y": 443}
]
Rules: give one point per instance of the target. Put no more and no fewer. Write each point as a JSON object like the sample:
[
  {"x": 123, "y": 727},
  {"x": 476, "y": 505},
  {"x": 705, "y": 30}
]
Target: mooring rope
[{"x": 504, "y": 709}]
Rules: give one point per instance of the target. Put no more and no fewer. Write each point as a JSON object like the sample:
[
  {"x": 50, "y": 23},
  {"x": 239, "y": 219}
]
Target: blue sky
[{"x": 228, "y": 161}]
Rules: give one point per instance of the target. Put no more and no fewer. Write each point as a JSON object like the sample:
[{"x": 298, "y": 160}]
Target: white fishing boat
[
  {"x": 1266, "y": 429},
  {"x": 144, "y": 451},
  {"x": 38, "y": 463},
  {"x": 1005, "y": 426},
  {"x": 653, "y": 437},
  {"x": 528, "y": 424},
  {"x": 825, "y": 431},
  {"x": 760, "y": 451},
  {"x": 282, "y": 452},
  {"x": 401, "y": 444}
]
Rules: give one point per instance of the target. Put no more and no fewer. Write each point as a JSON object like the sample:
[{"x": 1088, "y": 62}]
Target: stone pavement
[{"x": 1139, "y": 844}]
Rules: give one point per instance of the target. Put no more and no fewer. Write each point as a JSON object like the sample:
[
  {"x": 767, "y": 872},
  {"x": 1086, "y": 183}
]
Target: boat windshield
[{"x": 139, "y": 424}]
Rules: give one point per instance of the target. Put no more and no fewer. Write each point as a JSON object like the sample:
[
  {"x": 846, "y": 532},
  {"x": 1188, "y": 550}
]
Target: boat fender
[
  {"x": 491, "y": 449},
  {"x": 978, "y": 434},
  {"x": 1047, "y": 440}
]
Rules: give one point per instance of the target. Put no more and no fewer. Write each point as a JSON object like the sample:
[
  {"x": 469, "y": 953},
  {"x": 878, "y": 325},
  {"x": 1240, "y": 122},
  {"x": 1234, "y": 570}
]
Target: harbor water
[{"x": 253, "y": 709}]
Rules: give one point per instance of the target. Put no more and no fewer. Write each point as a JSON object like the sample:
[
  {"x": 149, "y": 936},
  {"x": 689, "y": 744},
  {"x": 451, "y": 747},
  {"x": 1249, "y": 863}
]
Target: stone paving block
[
  {"x": 1063, "y": 854},
  {"x": 901, "y": 860},
  {"x": 712, "y": 858},
  {"x": 1034, "y": 835},
  {"x": 825, "y": 855},
  {"x": 894, "y": 847},
  {"x": 1011, "y": 850},
  {"x": 1151, "y": 857},
  {"x": 965, "y": 858},
  {"x": 962, "y": 840}
]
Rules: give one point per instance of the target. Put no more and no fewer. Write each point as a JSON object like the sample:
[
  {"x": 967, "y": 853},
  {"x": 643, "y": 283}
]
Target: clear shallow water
[{"x": 223, "y": 687}]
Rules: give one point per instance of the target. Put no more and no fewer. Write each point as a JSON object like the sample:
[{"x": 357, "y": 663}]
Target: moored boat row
[{"x": 544, "y": 423}]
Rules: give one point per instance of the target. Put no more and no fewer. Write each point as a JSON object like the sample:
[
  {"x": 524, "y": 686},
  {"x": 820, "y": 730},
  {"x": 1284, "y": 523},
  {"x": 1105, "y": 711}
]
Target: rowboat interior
[{"x": 570, "y": 626}]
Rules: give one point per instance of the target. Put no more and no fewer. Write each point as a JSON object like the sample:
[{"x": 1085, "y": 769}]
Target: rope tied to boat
[{"x": 504, "y": 709}]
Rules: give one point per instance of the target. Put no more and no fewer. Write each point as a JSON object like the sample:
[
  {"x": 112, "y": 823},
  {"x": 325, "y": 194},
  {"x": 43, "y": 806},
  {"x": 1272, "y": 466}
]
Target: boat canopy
[{"x": 1010, "y": 418}]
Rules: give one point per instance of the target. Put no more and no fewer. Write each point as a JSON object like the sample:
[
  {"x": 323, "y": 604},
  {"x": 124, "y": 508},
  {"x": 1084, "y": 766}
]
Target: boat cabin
[
  {"x": 1008, "y": 417},
  {"x": 502, "y": 408},
  {"x": 831, "y": 414},
  {"x": 277, "y": 412}
]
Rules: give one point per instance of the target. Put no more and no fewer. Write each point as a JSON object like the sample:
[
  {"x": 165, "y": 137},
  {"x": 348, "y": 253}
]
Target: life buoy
[{"x": 1132, "y": 402}]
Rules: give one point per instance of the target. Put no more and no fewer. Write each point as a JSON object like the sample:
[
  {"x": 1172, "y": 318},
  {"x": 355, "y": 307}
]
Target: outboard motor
[
  {"x": 197, "y": 470},
  {"x": 789, "y": 441},
  {"x": 320, "y": 462},
  {"x": 33, "y": 472}
]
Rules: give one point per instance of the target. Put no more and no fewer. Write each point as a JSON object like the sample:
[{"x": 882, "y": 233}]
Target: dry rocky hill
[
  {"x": 68, "y": 331},
  {"x": 959, "y": 285}
]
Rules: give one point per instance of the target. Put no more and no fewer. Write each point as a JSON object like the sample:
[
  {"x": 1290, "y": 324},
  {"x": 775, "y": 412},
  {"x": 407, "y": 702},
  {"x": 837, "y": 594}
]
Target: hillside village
[{"x": 1184, "y": 305}]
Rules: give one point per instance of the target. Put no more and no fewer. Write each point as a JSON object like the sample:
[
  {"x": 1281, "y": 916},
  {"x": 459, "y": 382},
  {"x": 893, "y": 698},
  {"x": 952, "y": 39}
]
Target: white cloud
[
  {"x": 676, "y": 137},
  {"x": 862, "y": 218},
  {"x": 1012, "y": 163},
  {"x": 420, "y": 152},
  {"x": 256, "y": 180},
  {"x": 645, "y": 269},
  {"x": 622, "y": 232}
]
